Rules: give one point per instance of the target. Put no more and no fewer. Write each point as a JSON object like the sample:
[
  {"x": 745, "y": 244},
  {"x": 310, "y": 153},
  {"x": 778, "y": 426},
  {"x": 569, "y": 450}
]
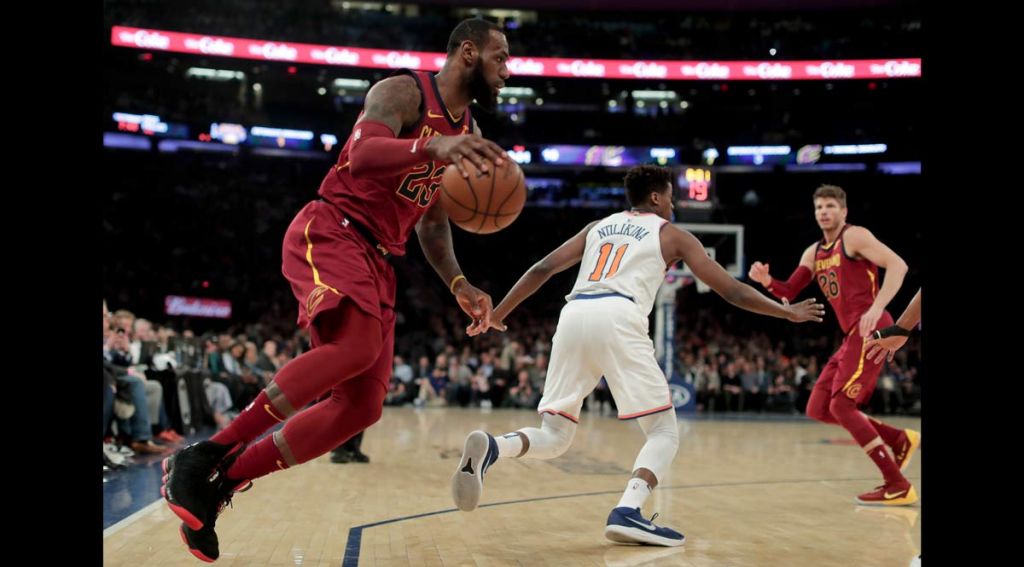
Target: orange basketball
[{"x": 484, "y": 202}]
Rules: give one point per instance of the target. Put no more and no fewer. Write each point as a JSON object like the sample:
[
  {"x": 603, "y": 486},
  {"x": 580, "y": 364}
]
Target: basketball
[{"x": 484, "y": 202}]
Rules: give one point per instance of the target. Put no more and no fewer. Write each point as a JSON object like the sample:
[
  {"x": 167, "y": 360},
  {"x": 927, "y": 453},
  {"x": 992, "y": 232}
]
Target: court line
[
  {"x": 121, "y": 524},
  {"x": 355, "y": 533}
]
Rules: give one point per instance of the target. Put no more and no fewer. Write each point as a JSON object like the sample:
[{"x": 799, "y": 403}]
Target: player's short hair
[
  {"x": 477, "y": 30},
  {"x": 643, "y": 180},
  {"x": 831, "y": 192}
]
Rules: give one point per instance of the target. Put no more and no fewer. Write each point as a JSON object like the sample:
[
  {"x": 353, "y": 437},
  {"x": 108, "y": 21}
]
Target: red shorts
[
  {"x": 849, "y": 372},
  {"x": 326, "y": 260}
]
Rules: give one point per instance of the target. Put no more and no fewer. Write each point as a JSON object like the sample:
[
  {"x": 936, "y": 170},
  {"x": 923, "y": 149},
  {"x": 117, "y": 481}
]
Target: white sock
[
  {"x": 509, "y": 445},
  {"x": 637, "y": 491}
]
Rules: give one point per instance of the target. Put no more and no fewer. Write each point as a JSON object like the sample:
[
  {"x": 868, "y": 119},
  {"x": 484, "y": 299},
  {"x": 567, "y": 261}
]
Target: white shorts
[{"x": 606, "y": 337}]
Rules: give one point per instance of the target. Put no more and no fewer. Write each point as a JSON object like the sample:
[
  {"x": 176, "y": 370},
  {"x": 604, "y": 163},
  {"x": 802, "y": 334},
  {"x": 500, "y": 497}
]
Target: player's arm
[
  {"x": 472, "y": 147},
  {"x": 797, "y": 281},
  {"x": 858, "y": 241},
  {"x": 435, "y": 236},
  {"x": 885, "y": 342},
  {"x": 565, "y": 256},
  {"x": 681, "y": 245},
  {"x": 376, "y": 148},
  {"x": 912, "y": 314}
]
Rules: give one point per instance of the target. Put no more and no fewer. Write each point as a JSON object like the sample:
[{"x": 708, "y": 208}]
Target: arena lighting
[
  {"x": 758, "y": 150},
  {"x": 267, "y": 132},
  {"x": 145, "y": 122},
  {"x": 329, "y": 141},
  {"x": 354, "y": 84},
  {"x": 654, "y": 95},
  {"x": 214, "y": 74},
  {"x": 525, "y": 92},
  {"x": 900, "y": 168},
  {"x": 228, "y": 133},
  {"x": 550, "y": 155},
  {"x": 710, "y": 155},
  {"x": 173, "y": 146},
  {"x": 292, "y": 52},
  {"x": 856, "y": 149},
  {"x": 126, "y": 141},
  {"x": 521, "y": 156}
]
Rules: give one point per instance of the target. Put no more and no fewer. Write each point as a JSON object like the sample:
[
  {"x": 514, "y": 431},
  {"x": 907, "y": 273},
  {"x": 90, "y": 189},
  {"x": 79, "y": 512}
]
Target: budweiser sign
[{"x": 197, "y": 307}]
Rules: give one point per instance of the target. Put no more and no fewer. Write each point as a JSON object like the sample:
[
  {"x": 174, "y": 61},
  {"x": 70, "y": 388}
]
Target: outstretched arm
[
  {"x": 562, "y": 258},
  {"x": 679, "y": 244}
]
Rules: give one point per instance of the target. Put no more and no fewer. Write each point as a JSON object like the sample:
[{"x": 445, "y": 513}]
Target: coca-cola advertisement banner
[
  {"x": 197, "y": 307},
  {"x": 159, "y": 40}
]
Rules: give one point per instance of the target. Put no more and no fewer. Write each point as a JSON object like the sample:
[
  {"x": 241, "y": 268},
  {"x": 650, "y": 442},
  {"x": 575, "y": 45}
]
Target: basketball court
[{"x": 745, "y": 491}]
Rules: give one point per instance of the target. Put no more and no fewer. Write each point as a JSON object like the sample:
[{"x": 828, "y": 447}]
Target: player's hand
[
  {"x": 474, "y": 303},
  {"x": 478, "y": 328},
  {"x": 759, "y": 273},
  {"x": 473, "y": 147},
  {"x": 884, "y": 343},
  {"x": 869, "y": 321},
  {"x": 806, "y": 310}
]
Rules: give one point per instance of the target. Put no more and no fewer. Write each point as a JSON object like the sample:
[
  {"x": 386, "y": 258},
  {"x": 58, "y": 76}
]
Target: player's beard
[{"x": 479, "y": 88}]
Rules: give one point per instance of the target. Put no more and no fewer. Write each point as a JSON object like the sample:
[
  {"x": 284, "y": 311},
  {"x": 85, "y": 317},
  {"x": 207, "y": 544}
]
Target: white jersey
[{"x": 623, "y": 255}]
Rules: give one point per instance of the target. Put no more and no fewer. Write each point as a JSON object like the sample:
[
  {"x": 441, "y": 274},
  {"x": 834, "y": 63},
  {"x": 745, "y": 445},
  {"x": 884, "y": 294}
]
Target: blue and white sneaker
[
  {"x": 626, "y": 525},
  {"x": 478, "y": 455}
]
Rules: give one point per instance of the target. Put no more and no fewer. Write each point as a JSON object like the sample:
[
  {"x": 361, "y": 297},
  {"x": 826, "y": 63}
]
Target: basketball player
[
  {"x": 845, "y": 264},
  {"x": 335, "y": 256},
  {"x": 887, "y": 341},
  {"x": 602, "y": 331}
]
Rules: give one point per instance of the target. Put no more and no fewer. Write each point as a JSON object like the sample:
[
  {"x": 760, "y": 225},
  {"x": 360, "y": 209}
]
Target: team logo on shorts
[
  {"x": 853, "y": 391},
  {"x": 314, "y": 299}
]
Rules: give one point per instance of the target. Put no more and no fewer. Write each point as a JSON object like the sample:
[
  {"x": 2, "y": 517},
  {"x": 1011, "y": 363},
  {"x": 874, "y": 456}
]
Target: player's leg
[
  {"x": 903, "y": 442},
  {"x": 569, "y": 380},
  {"x": 351, "y": 406},
  {"x": 349, "y": 339},
  {"x": 821, "y": 394},
  {"x": 639, "y": 387},
  {"x": 854, "y": 381},
  {"x": 350, "y": 342}
]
